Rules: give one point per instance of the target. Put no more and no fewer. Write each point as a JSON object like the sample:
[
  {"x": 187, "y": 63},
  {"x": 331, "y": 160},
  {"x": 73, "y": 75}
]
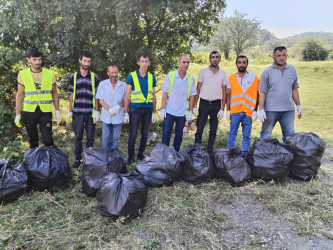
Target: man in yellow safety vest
[{"x": 36, "y": 91}]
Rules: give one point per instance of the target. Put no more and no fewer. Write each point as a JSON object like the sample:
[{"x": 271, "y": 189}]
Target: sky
[{"x": 286, "y": 17}]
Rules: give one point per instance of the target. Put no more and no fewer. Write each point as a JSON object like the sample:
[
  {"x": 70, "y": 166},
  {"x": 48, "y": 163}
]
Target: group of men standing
[{"x": 134, "y": 102}]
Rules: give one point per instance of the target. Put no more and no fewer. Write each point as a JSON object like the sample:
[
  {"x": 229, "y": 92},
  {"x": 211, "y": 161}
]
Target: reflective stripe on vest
[
  {"x": 92, "y": 79},
  {"x": 137, "y": 95},
  {"x": 190, "y": 82},
  {"x": 32, "y": 97},
  {"x": 240, "y": 101}
]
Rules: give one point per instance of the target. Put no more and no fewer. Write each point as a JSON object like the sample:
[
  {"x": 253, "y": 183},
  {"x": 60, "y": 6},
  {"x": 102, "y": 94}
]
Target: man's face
[
  {"x": 241, "y": 64},
  {"x": 85, "y": 63},
  {"x": 113, "y": 73},
  {"x": 144, "y": 63},
  {"x": 184, "y": 63},
  {"x": 35, "y": 62},
  {"x": 280, "y": 57},
  {"x": 215, "y": 59}
]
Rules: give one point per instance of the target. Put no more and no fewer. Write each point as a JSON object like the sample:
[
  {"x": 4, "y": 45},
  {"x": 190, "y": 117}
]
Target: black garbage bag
[
  {"x": 269, "y": 159},
  {"x": 198, "y": 166},
  {"x": 13, "y": 180},
  {"x": 47, "y": 167},
  {"x": 231, "y": 166},
  {"x": 122, "y": 195},
  {"x": 162, "y": 166},
  {"x": 308, "y": 150},
  {"x": 97, "y": 163}
]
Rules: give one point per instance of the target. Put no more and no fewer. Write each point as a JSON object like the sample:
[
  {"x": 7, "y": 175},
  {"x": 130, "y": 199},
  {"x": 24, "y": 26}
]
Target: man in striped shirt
[{"x": 83, "y": 107}]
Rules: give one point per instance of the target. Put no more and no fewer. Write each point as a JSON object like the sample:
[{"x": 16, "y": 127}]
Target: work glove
[
  {"x": 189, "y": 116},
  {"x": 96, "y": 117},
  {"x": 254, "y": 116},
  {"x": 195, "y": 112},
  {"x": 163, "y": 114},
  {"x": 114, "y": 110},
  {"x": 126, "y": 118},
  {"x": 18, "y": 121},
  {"x": 227, "y": 116},
  {"x": 69, "y": 117},
  {"x": 58, "y": 116},
  {"x": 220, "y": 115},
  {"x": 153, "y": 118},
  {"x": 300, "y": 112},
  {"x": 262, "y": 115}
]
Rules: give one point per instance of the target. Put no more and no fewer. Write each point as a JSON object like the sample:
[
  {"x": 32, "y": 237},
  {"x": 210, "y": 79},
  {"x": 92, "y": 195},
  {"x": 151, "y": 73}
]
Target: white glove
[
  {"x": 58, "y": 116},
  {"x": 262, "y": 115},
  {"x": 189, "y": 116},
  {"x": 114, "y": 110},
  {"x": 254, "y": 116},
  {"x": 300, "y": 112},
  {"x": 195, "y": 112},
  {"x": 220, "y": 115},
  {"x": 163, "y": 114},
  {"x": 18, "y": 121},
  {"x": 227, "y": 116},
  {"x": 126, "y": 118},
  {"x": 96, "y": 117},
  {"x": 153, "y": 118},
  {"x": 69, "y": 117}
]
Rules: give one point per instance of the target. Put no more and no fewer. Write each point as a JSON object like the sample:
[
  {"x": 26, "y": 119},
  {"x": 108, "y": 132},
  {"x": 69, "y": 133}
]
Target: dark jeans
[
  {"x": 208, "y": 108},
  {"x": 136, "y": 115},
  {"x": 167, "y": 130},
  {"x": 81, "y": 122},
  {"x": 31, "y": 119}
]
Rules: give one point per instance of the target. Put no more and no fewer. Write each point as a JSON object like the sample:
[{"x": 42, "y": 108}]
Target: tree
[
  {"x": 237, "y": 30},
  {"x": 312, "y": 50},
  {"x": 222, "y": 39}
]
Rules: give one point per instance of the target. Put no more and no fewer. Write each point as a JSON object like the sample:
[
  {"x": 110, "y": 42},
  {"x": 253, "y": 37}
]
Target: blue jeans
[
  {"x": 136, "y": 115},
  {"x": 107, "y": 130},
  {"x": 167, "y": 130},
  {"x": 246, "y": 121},
  {"x": 286, "y": 120}
]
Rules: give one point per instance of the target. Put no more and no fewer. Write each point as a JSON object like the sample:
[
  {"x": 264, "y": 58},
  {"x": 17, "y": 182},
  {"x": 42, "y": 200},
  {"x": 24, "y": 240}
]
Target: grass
[{"x": 181, "y": 216}]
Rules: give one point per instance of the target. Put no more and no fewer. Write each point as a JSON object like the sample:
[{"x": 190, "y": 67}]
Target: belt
[{"x": 210, "y": 102}]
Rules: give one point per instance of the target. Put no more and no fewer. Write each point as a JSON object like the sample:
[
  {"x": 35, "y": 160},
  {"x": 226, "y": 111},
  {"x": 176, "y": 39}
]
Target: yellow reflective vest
[
  {"x": 32, "y": 98},
  {"x": 137, "y": 95}
]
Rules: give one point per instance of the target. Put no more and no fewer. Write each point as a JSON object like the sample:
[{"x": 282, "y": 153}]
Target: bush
[{"x": 312, "y": 50}]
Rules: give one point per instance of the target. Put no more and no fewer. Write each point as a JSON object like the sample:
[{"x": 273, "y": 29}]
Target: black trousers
[
  {"x": 208, "y": 108},
  {"x": 44, "y": 120}
]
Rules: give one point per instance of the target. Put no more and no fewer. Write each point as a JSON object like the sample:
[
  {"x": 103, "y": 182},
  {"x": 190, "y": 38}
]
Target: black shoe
[
  {"x": 140, "y": 157},
  {"x": 129, "y": 162},
  {"x": 76, "y": 164}
]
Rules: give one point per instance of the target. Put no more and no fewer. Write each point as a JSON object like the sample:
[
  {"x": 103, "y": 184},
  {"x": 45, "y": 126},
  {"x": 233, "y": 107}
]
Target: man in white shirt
[
  {"x": 211, "y": 89},
  {"x": 179, "y": 90}
]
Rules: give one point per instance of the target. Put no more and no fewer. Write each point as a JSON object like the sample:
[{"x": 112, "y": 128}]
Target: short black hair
[
  {"x": 242, "y": 56},
  {"x": 111, "y": 65},
  {"x": 85, "y": 54},
  {"x": 214, "y": 52},
  {"x": 33, "y": 52},
  {"x": 279, "y": 48},
  {"x": 144, "y": 55}
]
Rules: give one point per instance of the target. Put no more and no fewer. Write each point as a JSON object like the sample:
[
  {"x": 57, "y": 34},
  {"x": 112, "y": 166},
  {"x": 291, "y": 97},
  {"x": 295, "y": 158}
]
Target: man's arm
[
  {"x": 104, "y": 105},
  {"x": 55, "y": 96},
  {"x": 127, "y": 97},
  {"x": 154, "y": 101},
  {"x": 224, "y": 96},
  {"x": 262, "y": 98},
  {"x": 70, "y": 102},
  {"x": 191, "y": 102},
  {"x": 228, "y": 94},
  {"x": 164, "y": 99},
  {"x": 295, "y": 96},
  {"x": 96, "y": 105},
  {"x": 197, "y": 95},
  {"x": 19, "y": 98}
]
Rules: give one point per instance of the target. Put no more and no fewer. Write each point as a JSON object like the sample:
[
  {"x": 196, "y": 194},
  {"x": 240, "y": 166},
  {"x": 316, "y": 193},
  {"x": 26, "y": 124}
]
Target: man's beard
[{"x": 242, "y": 70}]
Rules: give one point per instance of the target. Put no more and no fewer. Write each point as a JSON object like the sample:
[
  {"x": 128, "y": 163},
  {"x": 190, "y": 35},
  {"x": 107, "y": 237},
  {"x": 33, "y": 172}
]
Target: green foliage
[{"x": 312, "y": 50}]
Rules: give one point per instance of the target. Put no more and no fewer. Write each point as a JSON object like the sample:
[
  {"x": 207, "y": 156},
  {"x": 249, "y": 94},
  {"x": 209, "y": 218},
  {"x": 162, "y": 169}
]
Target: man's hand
[
  {"x": 262, "y": 115},
  {"x": 195, "y": 112},
  {"x": 18, "y": 121},
  {"x": 227, "y": 116},
  {"x": 153, "y": 118},
  {"x": 220, "y": 115},
  {"x": 126, "y": 118},
  {"x": 163, "y": 114},
  {"x": 114, "y": 110},
  {"x": 58, "y": 116},
  {"x": 189, "y": 116},
  {"x": 69, "y": 117},
  {"x": 254, "y": 116},
  {"x": 300, "y": 112},
  {"x": 96, "y": 117}
]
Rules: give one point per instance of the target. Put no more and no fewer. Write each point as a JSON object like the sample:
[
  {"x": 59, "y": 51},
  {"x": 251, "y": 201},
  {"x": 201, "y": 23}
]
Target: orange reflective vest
[{"x": 240, "y": 101}]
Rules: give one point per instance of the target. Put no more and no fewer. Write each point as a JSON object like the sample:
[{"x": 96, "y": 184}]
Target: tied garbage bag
[
  {"x": 269, "y": 159},
  {"x": 231, "y": 166},
  {"x": 13, "y": 180},
  {"x": 198, "y": 166},
  {"x": 47, "y": 167},
  {"x": 122, "y": 195},
  {"x": 308, "y": 150},
  {"x": 162, "y": 166},
  {"x": 97, "y": 163}
]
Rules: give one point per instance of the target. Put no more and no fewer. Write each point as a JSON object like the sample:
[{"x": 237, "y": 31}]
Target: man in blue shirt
[
  {"x": 111, "y": 94},
  {"x": 141, "y": 101},
  {"x": 83, "y": 107},
  {"x": 179, "y": 90}
]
